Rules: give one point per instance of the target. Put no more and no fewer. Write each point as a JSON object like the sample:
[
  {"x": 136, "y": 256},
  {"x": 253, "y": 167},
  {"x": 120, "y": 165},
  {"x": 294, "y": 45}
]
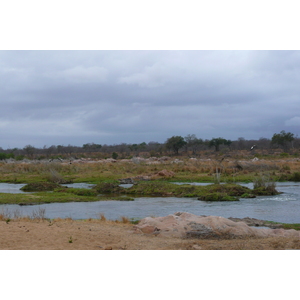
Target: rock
[
  {"x": 126, "y": 181},
  {"x": 164, "y": 158},
  {"x": 163, "y": 173},
  {"x": 177, "y": 161},
  {"x": 186, "y": 225},
  {"x": 196, "y": 247}
]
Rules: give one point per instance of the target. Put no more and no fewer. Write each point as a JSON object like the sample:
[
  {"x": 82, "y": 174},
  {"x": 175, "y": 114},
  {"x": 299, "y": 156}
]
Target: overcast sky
[{"x": 111, "y": 97}]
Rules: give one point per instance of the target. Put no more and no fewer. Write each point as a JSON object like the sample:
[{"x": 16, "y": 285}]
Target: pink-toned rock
[
  {"x": 163, "y": 173},
  {"x": 148, "y": 229},
  {"x": 166, "y": 173},
  {"x": 186, "y": 225}
]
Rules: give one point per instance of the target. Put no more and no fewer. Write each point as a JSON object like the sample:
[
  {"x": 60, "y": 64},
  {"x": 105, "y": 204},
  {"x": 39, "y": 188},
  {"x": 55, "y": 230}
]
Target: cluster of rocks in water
[{"x": 187, "y": 225}]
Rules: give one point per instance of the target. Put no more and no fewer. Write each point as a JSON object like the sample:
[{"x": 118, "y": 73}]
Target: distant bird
[{"x": 252, "y": 147}]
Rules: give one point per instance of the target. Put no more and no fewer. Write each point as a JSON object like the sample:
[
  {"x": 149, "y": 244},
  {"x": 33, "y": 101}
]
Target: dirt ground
[{"x": 67, "y": 234}]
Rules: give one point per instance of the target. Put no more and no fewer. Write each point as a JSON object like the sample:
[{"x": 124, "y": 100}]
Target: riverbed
[{"x": 280, "y": 208}]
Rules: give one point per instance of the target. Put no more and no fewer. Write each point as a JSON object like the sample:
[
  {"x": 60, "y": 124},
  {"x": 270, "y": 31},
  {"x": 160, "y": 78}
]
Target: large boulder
[{"x": 186, "y": 225}]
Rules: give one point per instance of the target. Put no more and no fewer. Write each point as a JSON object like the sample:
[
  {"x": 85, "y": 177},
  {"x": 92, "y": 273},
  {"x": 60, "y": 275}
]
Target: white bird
[{"x": 253, "y": 147}]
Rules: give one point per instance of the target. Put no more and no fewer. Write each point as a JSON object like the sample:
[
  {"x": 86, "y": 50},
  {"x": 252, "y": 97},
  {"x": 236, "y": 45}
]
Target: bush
[
  {"x": 295, "y": 177},
  {"x": 263, "y": 186},
  {"x": 108, "y": 188},
  {"x": 40, "y": 186},
  {"x": 55, "y": 177},
  {"x": 114, "y": 155},
  {"x": 20, "y": 157},
  {"x": 4, "y": 156},
  {"x": 218, "y": 197},
  {"x": 78, "y": 191},
  {"x": 284, "y": 154},
  {"x": 246, "y": 195}
]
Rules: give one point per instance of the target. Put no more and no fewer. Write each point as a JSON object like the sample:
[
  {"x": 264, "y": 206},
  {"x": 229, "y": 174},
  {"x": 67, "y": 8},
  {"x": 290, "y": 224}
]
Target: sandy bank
[{"x": 105, "y": 235}]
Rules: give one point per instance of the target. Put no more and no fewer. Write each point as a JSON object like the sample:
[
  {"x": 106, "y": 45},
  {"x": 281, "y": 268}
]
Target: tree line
[{"x": 175, "y": 145}]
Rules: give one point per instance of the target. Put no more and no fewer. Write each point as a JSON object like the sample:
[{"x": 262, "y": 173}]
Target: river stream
[{"x": 280, "y": 208}]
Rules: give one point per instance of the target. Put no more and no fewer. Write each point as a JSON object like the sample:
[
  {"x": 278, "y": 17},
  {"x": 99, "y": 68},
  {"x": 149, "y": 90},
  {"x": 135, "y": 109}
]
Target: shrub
[
  {"x": 4, "y": 156},
  {"x": 264, "y": 186},
  {"x": 295, "y": 176},
  {"x": 218, "y": 197},
  {"x": 20, "y": 157},
  {"x": 246, "y": 195},
  {"x": 78, "y": 191},
  {"x": 40, "y": 186},
  {"x": 55, "y": 177},
  {"x": 114, "y": 155},
  {"x": 284, "y": 154},
  {"x": 108, "y": 188}
]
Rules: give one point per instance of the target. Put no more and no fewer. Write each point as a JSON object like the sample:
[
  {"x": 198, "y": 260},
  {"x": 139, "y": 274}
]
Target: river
[{"x": 280, "y": 208}]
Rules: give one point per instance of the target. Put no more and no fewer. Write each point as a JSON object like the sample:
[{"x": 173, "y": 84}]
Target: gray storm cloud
[{"x": 75, "y": 97}]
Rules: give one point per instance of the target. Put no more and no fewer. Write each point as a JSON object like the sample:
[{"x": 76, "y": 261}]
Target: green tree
[
  {"x": 216, "y": 142},
  {"x": 91, "y": 147},
  {"x": 282, "y": 139},
  {"x": 174, "y": 143},
  {"x": 137, "y": 147},
  {"x": 115, "y": 155},
  {"x": 193, "y": 142},
  {"x": 29, "y": 150}
]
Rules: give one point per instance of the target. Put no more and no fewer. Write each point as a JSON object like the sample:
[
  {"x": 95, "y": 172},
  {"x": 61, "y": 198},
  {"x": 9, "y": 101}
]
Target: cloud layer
[{"x": 110, "y": 97}]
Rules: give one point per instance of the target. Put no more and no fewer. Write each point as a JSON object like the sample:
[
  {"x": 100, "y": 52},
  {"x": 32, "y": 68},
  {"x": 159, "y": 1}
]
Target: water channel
[{"x": 281, "y": 208}]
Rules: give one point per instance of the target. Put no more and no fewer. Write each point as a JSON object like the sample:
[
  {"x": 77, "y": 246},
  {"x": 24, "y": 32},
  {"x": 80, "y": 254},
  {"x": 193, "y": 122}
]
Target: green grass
[
  {"x": 158, "y": 188},
  {"x": 295, "y": 226},
  {"x": 112, "y": 191}
]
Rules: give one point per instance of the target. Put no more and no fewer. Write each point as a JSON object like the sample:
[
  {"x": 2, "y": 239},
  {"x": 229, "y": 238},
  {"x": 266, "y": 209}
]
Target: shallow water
[
  {"x": 11, "y": 188},
  {"x": 80, "y": 185},
  {"x": 281, "y": 208}
]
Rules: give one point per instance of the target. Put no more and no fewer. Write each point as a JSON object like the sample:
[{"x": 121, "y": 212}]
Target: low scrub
[
  {"x": 78, "y": 191},
  {"x": 108, "y": 188},
  {"x": 295, "y": 176},
  {"x": 218, "y": 197},
  {"x": 55, "y": 177},
  {"x": 263, "y": 186},
  {"x": 213, "y": 192},
  {"x": 40, "y": 187}
]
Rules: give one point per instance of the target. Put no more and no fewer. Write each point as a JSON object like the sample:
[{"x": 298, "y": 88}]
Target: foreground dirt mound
[
  {"x": 186, "y": 225},
  {"x": 68, "y": 234}
]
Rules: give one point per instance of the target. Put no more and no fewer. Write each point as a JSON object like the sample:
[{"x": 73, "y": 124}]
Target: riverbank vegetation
[
  {"x": 225, "y": 166},
  {"x": 283, "y": 144},
  {"x": 42, "y": 192},
  {"x": 217, "y": 168}
]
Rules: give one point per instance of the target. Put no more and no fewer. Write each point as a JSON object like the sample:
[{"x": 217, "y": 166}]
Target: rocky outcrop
[
  {"x": 256, "y": 222},
  {"x": 186, "y": 225}
]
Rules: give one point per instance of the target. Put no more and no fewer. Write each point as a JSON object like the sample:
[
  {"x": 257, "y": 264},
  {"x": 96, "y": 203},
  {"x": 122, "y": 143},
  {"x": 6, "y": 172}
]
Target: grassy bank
[
  {"x": 43, "y": 192},
  {"x": 185, "y": 170},
  {"x": 202, "y": 170}
]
